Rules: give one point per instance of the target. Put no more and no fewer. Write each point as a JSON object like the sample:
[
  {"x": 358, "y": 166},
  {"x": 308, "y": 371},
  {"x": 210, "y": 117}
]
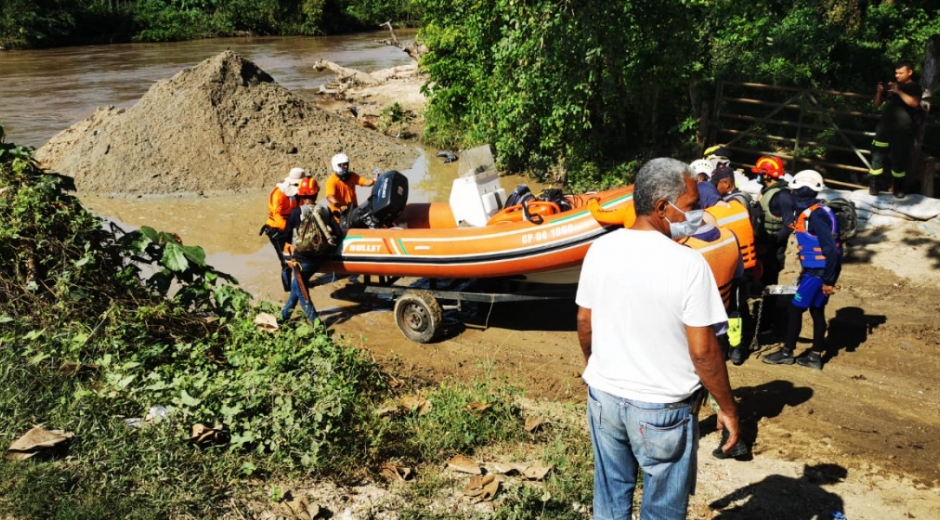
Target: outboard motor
[{"x": 385, "y": 204}]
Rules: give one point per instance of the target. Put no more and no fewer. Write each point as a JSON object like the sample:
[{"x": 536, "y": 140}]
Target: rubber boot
[
  {"x": 873, "y": 185},
  {"x": 784, "y": 356},
  {"x": 899, "y": 187}
]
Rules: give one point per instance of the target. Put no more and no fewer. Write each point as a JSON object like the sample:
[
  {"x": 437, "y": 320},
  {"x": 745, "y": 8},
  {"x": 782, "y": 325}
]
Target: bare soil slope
[{"x": 221, "y": 125}]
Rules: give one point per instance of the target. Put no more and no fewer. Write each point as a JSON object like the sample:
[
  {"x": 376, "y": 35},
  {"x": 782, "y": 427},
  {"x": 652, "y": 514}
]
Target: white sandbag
[
  {"x": 913, "y": 207},
  {"x": 876, "y": 220}
]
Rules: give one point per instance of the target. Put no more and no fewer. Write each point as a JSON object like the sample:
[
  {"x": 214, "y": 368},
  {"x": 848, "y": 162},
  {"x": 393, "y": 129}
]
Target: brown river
[{"x": 43, "y": 92}]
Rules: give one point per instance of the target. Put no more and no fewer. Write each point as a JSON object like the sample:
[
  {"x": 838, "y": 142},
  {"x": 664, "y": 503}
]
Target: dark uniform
[{"x": 894, "y": 135}]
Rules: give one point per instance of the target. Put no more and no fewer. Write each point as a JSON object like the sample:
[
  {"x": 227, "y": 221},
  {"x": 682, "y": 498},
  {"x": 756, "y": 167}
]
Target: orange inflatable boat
[
  {"x": 538, "y": 242},
  {"x": 535, "y": 245},
  {"x": 428, "y": 240}
]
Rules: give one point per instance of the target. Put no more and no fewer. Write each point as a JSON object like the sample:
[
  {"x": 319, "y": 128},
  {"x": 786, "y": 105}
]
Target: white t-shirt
[{"x": 643, "y": 289}]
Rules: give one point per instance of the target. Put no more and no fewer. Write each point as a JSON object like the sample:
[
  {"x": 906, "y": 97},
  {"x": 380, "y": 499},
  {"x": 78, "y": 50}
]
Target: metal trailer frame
[{"x": 418, "y": 311}]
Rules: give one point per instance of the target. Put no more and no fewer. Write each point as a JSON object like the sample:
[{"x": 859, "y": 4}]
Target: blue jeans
[
  {"x": 307, "y": 269},
  {"x": 628, "y": 435}
]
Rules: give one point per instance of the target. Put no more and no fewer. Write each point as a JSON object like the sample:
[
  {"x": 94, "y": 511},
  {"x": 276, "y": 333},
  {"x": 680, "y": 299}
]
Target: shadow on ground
[
  {"x": 757, "y": 402},
  {"x": 786, "y": 498}
]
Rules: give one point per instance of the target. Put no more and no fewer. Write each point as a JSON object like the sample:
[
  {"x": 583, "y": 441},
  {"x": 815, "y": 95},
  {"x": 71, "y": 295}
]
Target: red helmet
[
  {"x": 770, "y": 166},
  {"x": 308, "y": 187}
]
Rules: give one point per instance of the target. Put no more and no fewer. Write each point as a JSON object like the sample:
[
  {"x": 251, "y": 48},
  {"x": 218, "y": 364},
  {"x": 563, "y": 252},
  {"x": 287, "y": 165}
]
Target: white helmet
[
  {"x": 702, "y": 166},
  {"x": 339, "y": 159},
  {"x": 808, "y": 179}
]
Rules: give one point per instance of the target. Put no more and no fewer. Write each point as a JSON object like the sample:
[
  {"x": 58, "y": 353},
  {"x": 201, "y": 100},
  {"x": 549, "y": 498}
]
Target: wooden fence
[{"x": 825, "y": 130}]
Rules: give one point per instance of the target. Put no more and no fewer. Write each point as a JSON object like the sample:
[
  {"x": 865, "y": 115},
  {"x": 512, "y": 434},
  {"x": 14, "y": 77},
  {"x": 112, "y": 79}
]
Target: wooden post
[{"x": 927, "y": 166}]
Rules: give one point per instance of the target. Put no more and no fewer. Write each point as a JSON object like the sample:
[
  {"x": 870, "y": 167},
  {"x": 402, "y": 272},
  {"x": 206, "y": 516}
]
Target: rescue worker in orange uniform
[
  {"x": 734, "y": 214},
  {"x": 817, "y": 235},
  {"x": 341, "y": 186},
  {"x": 281, "y": 201}
]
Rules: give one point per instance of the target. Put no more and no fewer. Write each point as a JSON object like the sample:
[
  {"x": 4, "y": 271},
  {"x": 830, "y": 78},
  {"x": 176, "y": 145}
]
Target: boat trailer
[{"x": 419, "y": 310}]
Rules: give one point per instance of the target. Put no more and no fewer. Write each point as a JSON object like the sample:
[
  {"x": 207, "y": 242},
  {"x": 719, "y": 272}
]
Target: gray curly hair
[{"x": 657, "y": 179}]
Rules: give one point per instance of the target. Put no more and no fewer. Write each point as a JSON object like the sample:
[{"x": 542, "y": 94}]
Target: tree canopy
[
  {"x": 46, "y": 23},
  {"x": 590, "y": 85}
]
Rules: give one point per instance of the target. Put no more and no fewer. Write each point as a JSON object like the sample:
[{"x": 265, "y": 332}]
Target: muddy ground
[
  {"x": 861, "y": 436},
  {"x": 872, "y": 412}
]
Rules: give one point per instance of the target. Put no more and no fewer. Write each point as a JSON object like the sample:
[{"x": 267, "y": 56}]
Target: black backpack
[
  {"x": 846, "y": 217},
  {"x": 521, "y": 195}
]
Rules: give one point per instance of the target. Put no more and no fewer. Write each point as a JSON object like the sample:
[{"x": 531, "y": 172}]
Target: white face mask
[{"x": 693, "y": 219}]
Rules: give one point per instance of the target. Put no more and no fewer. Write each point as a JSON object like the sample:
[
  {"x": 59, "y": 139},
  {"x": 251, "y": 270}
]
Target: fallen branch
[
  {"x": 345, "y": 73},
  {"x": 413, "y": 49}
]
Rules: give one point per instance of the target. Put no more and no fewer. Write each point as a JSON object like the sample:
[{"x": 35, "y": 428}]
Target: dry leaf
[
  {"x": 71, "y": 368},
  {"x": 414, "y": 403},
  {"x": 477, "y": 408},
  {"x": 35, "y": 440},
  {"x": 395, "y": 473},
  {"x": 533, "y": 423},
  {"x": 298, "y": 508},
  {"x": 536, "y": 471},
  {"x": 482, "y": 487},
  {"x": 464, "y": 464},
  {"x": 508, "y": 468},
  {"x": 267, "y": 322},
  {"x": 202, "y": 433}
]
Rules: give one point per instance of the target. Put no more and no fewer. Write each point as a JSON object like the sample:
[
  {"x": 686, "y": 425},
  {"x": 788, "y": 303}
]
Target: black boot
[
  {"x": 873, "y": 185},
  {"x": 784, "y": 356},
  {"x": 899, "y": 187}
]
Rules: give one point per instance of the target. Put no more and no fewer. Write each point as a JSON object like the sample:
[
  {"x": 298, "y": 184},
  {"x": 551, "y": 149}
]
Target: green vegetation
[
  {"x": 151, "y": 324},
  {"x": 27, "y": 23},
  {"x": 591, "y": 85}
]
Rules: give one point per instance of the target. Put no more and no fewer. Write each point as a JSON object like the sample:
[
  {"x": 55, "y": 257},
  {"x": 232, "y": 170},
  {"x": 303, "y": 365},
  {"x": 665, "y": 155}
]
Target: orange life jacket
[
  {"x": 736, "y": 217},
  {"x": 722, "y": 256},
  {"x": 279, "y": 207}
]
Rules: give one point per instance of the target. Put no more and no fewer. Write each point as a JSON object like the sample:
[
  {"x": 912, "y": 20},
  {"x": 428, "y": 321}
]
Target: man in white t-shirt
[{"x": 646, "y": 306}]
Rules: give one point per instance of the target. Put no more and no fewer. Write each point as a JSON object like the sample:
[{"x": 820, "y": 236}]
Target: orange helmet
[
  {"x": 308, "y": 187},
  {"x": 770, "y": 166}
]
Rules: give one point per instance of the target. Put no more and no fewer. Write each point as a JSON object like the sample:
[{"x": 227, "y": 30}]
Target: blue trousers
[
  {"x": 307, "y": 268},
  {"x": 629, "y": 436}
]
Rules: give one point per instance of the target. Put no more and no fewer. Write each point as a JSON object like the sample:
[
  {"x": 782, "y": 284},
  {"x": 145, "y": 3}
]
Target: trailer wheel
[{"x": 418, "y": 316}]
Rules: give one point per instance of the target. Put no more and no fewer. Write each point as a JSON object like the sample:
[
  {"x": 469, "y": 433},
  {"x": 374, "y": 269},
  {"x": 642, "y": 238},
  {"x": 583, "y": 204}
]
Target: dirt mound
[{"x": 222, "y": 125}]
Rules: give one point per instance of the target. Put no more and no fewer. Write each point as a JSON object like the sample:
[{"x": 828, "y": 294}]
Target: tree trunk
[
  {"x": 343, "y": 73},
  {"x": 922, "y": 167}
]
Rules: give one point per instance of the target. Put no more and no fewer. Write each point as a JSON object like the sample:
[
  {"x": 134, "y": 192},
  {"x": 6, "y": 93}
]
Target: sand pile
[{"x": 222, "y": 125}]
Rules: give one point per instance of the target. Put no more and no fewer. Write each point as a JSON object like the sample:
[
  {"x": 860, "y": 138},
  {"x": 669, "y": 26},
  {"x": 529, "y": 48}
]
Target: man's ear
[{"x": 660, "y": 207}]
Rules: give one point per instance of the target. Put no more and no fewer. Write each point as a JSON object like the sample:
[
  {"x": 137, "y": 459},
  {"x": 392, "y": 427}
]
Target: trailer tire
[{"x": 418, "y": 316}]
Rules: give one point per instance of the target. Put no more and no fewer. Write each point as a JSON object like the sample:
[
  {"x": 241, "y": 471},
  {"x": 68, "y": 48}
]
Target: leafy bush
[
  {"x": 606, "y": 83},
  {"x": 181, "y": 336}
]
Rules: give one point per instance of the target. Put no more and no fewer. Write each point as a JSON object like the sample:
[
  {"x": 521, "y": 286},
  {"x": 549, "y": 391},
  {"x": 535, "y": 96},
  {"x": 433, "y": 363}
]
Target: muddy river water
[{"x": 44, "y": 92}]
